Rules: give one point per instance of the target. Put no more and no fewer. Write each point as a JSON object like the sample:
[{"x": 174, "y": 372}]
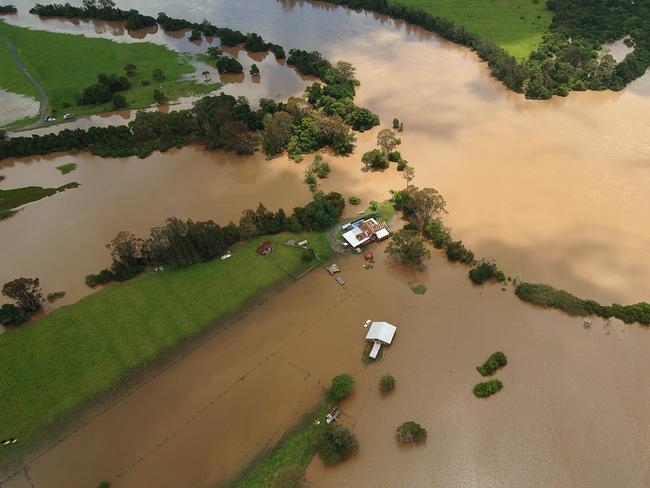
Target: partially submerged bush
[
  {"x": 341, "y": 387},
  {"x": 456, "y": 251},
  {"x": 438, "y": 233},
  {"x": 495, "y": 361},
  {"x": 485, "y": 270},
  {"x": 488, "y": 388},
  {"x": 336, "y": 444},
  {"x": 354, "y": 200},
  {"x": 387, "y": 383},
  {"x": 410, "y": 432},
  {"x": 55, "y": 295}
]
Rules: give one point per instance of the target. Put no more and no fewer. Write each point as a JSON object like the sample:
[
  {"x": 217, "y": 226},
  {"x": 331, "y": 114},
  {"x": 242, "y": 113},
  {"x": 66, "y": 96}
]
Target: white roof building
[
  {"x": 381, "y": 333},
  {"x": 365, "y": 231}
]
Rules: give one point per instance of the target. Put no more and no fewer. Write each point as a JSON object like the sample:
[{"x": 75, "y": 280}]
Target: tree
[
  {"x": 215, "y": 52},
  {"x": 159, "y": 96},
  {"x": 410, "y": 432},
  {"x": 395, "y": 123},
  {"x": 126, "y": 251},
  {"x": 289, "y": 477},
  {"x": 409, "y": 175},
  {"x": 205, "y": 75},
  {"x": 427, "y": 204},
  {"x": 119, "y": 101},
  {"x": 130, "y": 69},
  {"x": 362, "y": 119},
  {"x": 254, "y": 71},
  {"x": 341, "y": 387},
  {"x": 10, "y": 314},
  {"x": 387, "y": 383},
  {"x": 158, "y": 74},
  {"x": 375, "y": 159},
  {"x": 387, "y": 140},
  {"x": 26, "y": 292},
  {"x": 277, "y": 130},
  {"x": 409, "y": 247},
  {"x": 336, "y": 443}
]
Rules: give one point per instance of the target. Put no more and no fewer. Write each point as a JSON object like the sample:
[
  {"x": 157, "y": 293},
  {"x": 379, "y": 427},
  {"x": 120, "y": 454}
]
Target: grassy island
[{"x": 72, "y": 63}]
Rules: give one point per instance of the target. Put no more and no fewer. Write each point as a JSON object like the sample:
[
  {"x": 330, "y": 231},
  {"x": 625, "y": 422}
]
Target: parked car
[
  {"x": 68, "y": 117},
  {"x": 50, "y": 119}
]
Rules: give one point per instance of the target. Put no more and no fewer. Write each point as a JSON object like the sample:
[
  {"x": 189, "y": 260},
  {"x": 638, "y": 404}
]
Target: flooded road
[
  {"x": 555, "y": 191},
  {"x": 561, "y": 420}
]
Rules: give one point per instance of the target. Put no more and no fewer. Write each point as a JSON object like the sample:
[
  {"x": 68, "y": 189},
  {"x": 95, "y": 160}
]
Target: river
[{"x": 555, "y": 191}]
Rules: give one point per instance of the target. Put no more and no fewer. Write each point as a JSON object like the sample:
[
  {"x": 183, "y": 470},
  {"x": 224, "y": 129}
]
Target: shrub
[
  {"x": 54, "y": 296},
  {"x": 11, "y": 314},
  {"x": 354, "y": 200},
  {"x": 289, "y": 477},
  {"x": 484, "y": 271},
  {"x": 396, "y": 123},
  {"x": 104, "y": 484},
  {"x": 387, "y": 383},
  {"x": 226, "y": 64},
  {"x": 336, "y": 443},
  {"x": 488, "y": 388},
  {"x": 438, "y": 233},
  {"x": 402, "y": 164},
  {"x": 456, "y": 251},
  {"x": 375, "y": 159},
  {"x": 341, "y": 387},
  {"x": 410, "y": 432},
  {"x": 394, "y": 156},
  {"x": 159, "y": 96},
  {"x": 119, "y": 101},
  {"x": 495, "y": 361},
  {"x": 323, "y": 170}
]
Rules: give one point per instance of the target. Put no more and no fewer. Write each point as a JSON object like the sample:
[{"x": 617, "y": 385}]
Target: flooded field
[
  {"x": 555, "y": 191},
  {"x": 561, "y": 420}
]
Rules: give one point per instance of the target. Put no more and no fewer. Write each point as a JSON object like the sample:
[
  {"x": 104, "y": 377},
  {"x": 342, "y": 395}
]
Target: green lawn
[
  {"x": 65, "y": 64},
  {"x": 515, "y": 25},
  {"x": 296, "y": 448},
  {"x": 10, "y": 199},
  {"x": 290, "y": 258},
  {"x": 11, "y": 78},
  {"x": 52, "y": 365},
  {"x": 67, "y": 168}
]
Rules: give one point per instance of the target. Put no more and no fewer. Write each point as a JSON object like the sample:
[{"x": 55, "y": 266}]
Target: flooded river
[{"x": 556, "y": 191}]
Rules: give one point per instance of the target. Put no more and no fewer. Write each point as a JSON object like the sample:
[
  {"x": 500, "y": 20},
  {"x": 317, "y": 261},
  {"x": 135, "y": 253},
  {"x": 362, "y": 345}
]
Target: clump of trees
[
  {"x": 254, "y": 43},
  {"x": 487, "y": 388},
  {"x": 341, "y": 388},
  {"x": 27, "y": 296},
  {"x": 227, "y": 64},
  {"x": 8, "y": 9},
  {"x": 336, "y": 443},
  {"x": 319, "y": 168},
  {"x": 411, "y": 432},
  {"x": 484, "y": 271},
  {"x": 375, "y": 159},
  {"x": 409, "y": 247},
  {"x": 496, "y": 361},
  {"x": 387, "y": 383},
  {"x": 104, "y": 90}
]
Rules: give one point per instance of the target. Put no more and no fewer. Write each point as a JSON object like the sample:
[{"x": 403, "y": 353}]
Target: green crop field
[
  {"x": 515, "y": 25},
  {"x": 65, "y": 64},
  {"x": 52, "y": 365}
]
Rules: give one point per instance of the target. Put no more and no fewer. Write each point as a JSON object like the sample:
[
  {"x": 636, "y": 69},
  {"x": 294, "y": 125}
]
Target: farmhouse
[
  {"x": 380, "y": 333},
  {"x": 365, "y": 231}
]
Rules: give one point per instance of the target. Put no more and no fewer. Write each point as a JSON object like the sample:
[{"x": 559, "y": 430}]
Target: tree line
[
  {"x": 181, "y": 243},
  {"x": 8, "y": 9},
  {"x": 569, "y": 57}
]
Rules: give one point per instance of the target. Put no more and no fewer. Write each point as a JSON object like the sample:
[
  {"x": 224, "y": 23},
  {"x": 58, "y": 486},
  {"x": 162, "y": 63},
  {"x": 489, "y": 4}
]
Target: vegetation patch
[
  {"x": 10, "y": 199},
  {"x": 387, "y": 383},
  {"x": 496, "y": 361},
  {"x": 549, "y": 297},
  {"x": 336, "y": 443},
  {"x": 484, "y": 271},
  {"x": 419, "y": 289},
  {"x": 411, "y": 432},
  {"x": 487, "y": 388},
  {"x": 365, "y": 356},
  {"x": 80, "y": 350},
  {"x": 341, "y": 388},
  {"x": 54, "y": 296},
  {"x": 67, "y": 168}
]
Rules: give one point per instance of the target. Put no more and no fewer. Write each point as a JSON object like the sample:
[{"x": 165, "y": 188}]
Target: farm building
[
  {"x": 381, "y": 334},
  {"x": 365, "y": 231}
]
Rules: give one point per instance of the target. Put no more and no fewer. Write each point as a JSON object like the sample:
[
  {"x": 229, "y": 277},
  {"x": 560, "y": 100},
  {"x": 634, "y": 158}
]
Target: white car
[{"x": 68, "y": 117}]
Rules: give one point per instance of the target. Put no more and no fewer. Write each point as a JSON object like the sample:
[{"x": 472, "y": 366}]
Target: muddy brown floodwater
[{"x": 555, "y": 191}]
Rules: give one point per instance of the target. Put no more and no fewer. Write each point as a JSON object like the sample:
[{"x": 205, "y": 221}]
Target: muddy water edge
[{"x": 554, "y": 191}]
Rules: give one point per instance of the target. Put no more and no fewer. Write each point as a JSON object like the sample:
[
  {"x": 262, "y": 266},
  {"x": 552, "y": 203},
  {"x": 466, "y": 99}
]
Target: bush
[
  {"x": 289, "y": 477},
  {"x": 55, "y": 295},
  {"x": 456, "y": 251},
  {"x": 410, "y": 432},
  {"x": 394, "y": 156},
  {"x": 396, "y": 123},
  {"x": 341, "y": 388},
  {"x": 495, "y": 361},
  {"x": 354, "y": 200},
  {"x": 484, "y": 271},
  {"x": 488, "y": 388},
  {"x": 402, "y": 164},
  {"x": 387, "y": 383},
  {"x": 159, "y": 96},
  {"x": 104, "y": 484},
  {"x": 375, "y": 160},
  {"x": 119, "y": 101},
  {"x": 226, "y": 64},
  {"x": 438, "y": 233},
  {"x": 336, "y": 443},
  {"x": 11, "y": 314}
]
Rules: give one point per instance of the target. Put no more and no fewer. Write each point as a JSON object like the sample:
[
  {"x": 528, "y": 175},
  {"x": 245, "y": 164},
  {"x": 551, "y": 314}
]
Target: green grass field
[
  {"x": 65, "y": 64},
  {"x": 67, "y": 168},
  {"x": 10, "y": 199},
  {"x": 50, "y": 366},
  {"x": 515, "y": 25},
  {"x": 11, "y": 78}
]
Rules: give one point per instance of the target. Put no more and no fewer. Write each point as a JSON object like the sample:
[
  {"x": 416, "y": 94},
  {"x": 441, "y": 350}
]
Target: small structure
[
  {"x": 333, "y": 415},
  {"x": 303, "y": 244},
  {"x": 381, "y": 334},
  {"x": 365, "y": 232},
  {"x": 226, "y": 256},
  {"x": 265, "y": 247},
  {"x": 333, "y": 268}
]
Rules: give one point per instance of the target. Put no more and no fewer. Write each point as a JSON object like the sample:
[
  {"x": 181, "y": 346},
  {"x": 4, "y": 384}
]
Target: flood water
[{"x": 555, "y": 191}]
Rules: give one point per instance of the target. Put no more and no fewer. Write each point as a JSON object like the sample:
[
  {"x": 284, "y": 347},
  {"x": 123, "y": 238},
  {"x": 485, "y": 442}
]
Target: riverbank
[
  {"x": 81, "y": 350},
  {"x": 65, "y": 68}
]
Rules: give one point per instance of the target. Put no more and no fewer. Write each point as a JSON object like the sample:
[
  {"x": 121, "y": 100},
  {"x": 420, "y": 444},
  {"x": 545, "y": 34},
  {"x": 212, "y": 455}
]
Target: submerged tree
[
  {"x": 26, "y": 292},
  {"x": 409, "y": 247}
]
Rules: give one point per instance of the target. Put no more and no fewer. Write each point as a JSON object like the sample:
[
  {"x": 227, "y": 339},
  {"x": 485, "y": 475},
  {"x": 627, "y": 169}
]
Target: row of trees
[
  {"x": 182, "y": 243},
  {"x": 104, "y": 90},
  {"x": 568, "y": 58},
  {"x": 8, "y": 9},
  {"x": 96, "y": 9}
]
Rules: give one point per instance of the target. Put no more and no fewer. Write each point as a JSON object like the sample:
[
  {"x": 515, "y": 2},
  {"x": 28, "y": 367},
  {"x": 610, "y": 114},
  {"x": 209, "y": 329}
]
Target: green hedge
[
  {"x": 488, "y": 388},
  {"x": 495, "y": 361}
]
